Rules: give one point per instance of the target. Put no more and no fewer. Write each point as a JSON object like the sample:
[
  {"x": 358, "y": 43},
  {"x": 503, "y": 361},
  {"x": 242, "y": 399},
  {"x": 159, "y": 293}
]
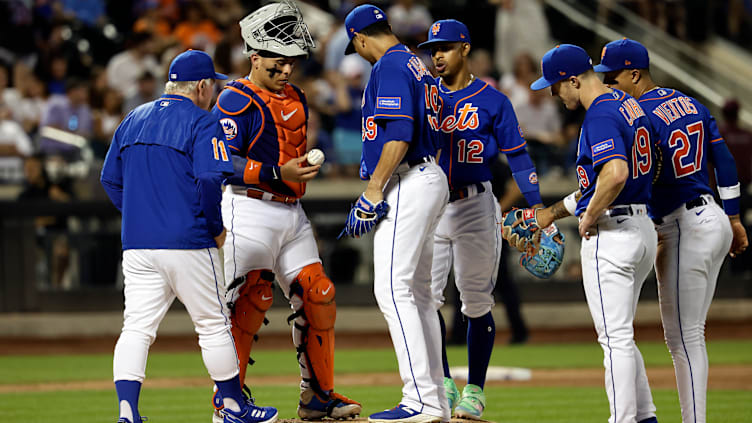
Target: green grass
[
  {"x": 59, "y": 368},
  {"x": 191, "y": 404},
  {"x": 508, "y": 405}
]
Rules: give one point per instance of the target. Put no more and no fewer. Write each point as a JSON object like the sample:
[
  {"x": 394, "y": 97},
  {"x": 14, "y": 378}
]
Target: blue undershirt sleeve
[{"x": 523, "y": 171}]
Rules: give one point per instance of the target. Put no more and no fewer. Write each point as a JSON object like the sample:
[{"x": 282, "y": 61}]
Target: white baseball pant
[
  {"x": 153, "y": 279},
  {"x": 268, "y": 235},
  {"x": 615, "y": 263},
  {"x": 691, "y": 247},
  {"x": 468, "y": 239},
  {"x": 403, "y": 251}
]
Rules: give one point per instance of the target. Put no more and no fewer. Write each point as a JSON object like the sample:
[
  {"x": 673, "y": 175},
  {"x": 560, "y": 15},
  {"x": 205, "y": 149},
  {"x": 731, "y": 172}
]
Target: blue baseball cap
[
  {"x": 193, "y": 65},
  {"x": 446, "y": 31},
  {"x": 561, "y": 62},
  {"x": 361, "y": 17},
  {"x": 623, "y": 54}
]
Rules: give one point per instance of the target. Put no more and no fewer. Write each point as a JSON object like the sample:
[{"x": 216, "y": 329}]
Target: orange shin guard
[
  {"x": 320, "y": 312},
  {"x": 254, "y": 299}
]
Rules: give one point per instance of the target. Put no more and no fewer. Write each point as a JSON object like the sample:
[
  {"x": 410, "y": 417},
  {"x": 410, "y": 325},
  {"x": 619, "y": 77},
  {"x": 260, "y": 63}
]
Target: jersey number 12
[{"x": 469, "y": 152}]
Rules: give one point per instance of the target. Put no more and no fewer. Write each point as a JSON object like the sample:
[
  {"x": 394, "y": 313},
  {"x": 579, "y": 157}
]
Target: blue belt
[
  {"x": 460, "y": 193},
  {"x": 691, "y": 204}
]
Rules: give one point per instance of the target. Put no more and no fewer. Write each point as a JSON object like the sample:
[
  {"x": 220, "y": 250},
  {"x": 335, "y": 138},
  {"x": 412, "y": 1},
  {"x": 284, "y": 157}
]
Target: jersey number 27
[{"x": 680, "y": 141}]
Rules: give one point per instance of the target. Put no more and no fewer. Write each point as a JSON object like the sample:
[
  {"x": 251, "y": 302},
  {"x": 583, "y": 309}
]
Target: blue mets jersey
[
  {"x": 477, "y": 122},
  {"x": 164, "y": 172},
  {"x": 615, "y": 127},
  {"x": 400, "y": 87},
  {"x": 685, "y": 131}
]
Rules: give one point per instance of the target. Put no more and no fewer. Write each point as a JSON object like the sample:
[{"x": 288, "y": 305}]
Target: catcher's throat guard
[{"x": 277, "y": 28}]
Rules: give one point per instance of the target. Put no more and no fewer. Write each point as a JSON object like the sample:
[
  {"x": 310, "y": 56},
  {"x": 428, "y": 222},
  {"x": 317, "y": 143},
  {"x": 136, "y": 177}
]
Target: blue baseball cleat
[{"x": 403, "y": 413}]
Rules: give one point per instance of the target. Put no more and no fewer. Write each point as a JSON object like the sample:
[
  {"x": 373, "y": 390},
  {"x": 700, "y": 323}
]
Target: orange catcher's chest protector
[{"x": 271, "y": 127}]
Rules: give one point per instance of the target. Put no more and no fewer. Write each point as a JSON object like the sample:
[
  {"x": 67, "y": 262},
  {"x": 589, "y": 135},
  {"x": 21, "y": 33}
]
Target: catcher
[{"x": 264, "y": 119}]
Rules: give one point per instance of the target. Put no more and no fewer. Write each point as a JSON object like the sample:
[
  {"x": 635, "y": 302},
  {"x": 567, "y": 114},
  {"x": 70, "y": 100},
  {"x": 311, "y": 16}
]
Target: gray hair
[{"x": 183, "y": 87}]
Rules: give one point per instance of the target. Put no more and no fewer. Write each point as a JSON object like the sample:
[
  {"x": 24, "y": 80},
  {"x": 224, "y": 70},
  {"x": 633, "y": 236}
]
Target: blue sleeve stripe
[{"x": 602, "y": 159}]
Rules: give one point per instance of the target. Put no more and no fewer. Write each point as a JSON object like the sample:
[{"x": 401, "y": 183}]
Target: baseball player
[
  {"x": 265, "y": 120},
  {"x": 405, "y": 186},
  {"x": 694, "y": 235},
  {"x": 477, "y": 123},
  {"x": 614, "y": 170},
  {"x": 164, "y": 172}
]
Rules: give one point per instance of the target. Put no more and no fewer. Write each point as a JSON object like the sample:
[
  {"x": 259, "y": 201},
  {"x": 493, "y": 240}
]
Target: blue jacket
[{"x": 164, "y": 172}]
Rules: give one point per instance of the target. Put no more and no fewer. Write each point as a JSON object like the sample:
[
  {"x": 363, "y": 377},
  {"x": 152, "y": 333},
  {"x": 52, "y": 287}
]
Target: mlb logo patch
[
  {"x": 229, "y": 127},
  {"x": 388, "y": 102},
  {"x": 603, "y": 146},
  {"x": 164, "y": 103}
]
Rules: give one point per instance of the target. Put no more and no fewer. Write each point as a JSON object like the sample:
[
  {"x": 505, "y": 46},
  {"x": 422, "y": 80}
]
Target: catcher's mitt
[
  {"x": 525, "y": 236},
  {"x": 363, "y": 217},
  {"x": 547, "y": 259}
]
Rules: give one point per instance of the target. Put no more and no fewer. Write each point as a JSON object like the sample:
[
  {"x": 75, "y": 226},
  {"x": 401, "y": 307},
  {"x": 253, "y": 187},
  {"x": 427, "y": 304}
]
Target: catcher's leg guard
[
  {"x": 313, "y": 334},
  {"x": 254, "y": 298}
]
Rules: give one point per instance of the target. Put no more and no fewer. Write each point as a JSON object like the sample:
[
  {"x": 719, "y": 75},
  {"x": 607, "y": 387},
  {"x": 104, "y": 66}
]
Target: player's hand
[
  {"x": 587, "y": 225},
  {"x": 544, "y": 216},
  {"x": 220, "y": 239},
  {"x": 740, "y": 242},
  {"x": 297, "y": 170}
]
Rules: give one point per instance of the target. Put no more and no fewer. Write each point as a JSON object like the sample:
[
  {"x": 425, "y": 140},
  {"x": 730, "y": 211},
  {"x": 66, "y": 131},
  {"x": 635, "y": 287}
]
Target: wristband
[
  {"x": 728, "y": 193},
  {"x": 570, "y": 203}
]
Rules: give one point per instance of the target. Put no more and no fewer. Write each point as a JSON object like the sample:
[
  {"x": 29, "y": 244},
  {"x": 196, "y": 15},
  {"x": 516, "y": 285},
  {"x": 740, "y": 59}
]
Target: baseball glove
[
  {"x": 547, "y": 260},
  {"x": 525, "y": 236},
  {"x": 363, "y": 217}
]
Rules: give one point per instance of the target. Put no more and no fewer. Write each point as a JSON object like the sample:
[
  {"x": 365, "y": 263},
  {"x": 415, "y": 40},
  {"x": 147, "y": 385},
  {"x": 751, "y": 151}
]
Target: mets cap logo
[
  {"x": 603, "y": 53},
  {"x": 435, "y": 28},
  {"x": 229, "y": 127}
]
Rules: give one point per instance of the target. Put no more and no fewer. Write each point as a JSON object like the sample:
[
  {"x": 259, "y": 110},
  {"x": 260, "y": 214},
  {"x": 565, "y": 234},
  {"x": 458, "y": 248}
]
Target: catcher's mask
[{"x": 276, "y": 29}]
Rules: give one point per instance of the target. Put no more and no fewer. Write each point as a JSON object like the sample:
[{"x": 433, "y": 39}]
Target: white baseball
[{"x": 315, "y": 157}]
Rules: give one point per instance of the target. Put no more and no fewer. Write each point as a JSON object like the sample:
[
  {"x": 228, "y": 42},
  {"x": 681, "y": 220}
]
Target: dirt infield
[
  {"x": 363, "y": 419},
  {"x": 721, "y": 377}
]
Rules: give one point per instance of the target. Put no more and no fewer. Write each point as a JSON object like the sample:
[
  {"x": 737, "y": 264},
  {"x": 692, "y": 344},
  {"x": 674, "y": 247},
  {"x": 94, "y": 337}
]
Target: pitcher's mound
[{"x": 365, "y": 419}]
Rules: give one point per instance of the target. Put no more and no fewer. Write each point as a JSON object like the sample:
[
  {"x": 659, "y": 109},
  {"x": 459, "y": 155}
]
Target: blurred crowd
[{"x": 71, "y": 69}]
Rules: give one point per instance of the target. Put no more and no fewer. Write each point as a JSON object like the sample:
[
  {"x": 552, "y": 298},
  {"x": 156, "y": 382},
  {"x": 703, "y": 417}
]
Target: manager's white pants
[{"x": 153, "y": 279}]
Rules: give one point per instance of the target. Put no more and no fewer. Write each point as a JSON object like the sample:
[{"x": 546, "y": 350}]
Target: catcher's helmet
[{"x": 277, "y": 28}]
